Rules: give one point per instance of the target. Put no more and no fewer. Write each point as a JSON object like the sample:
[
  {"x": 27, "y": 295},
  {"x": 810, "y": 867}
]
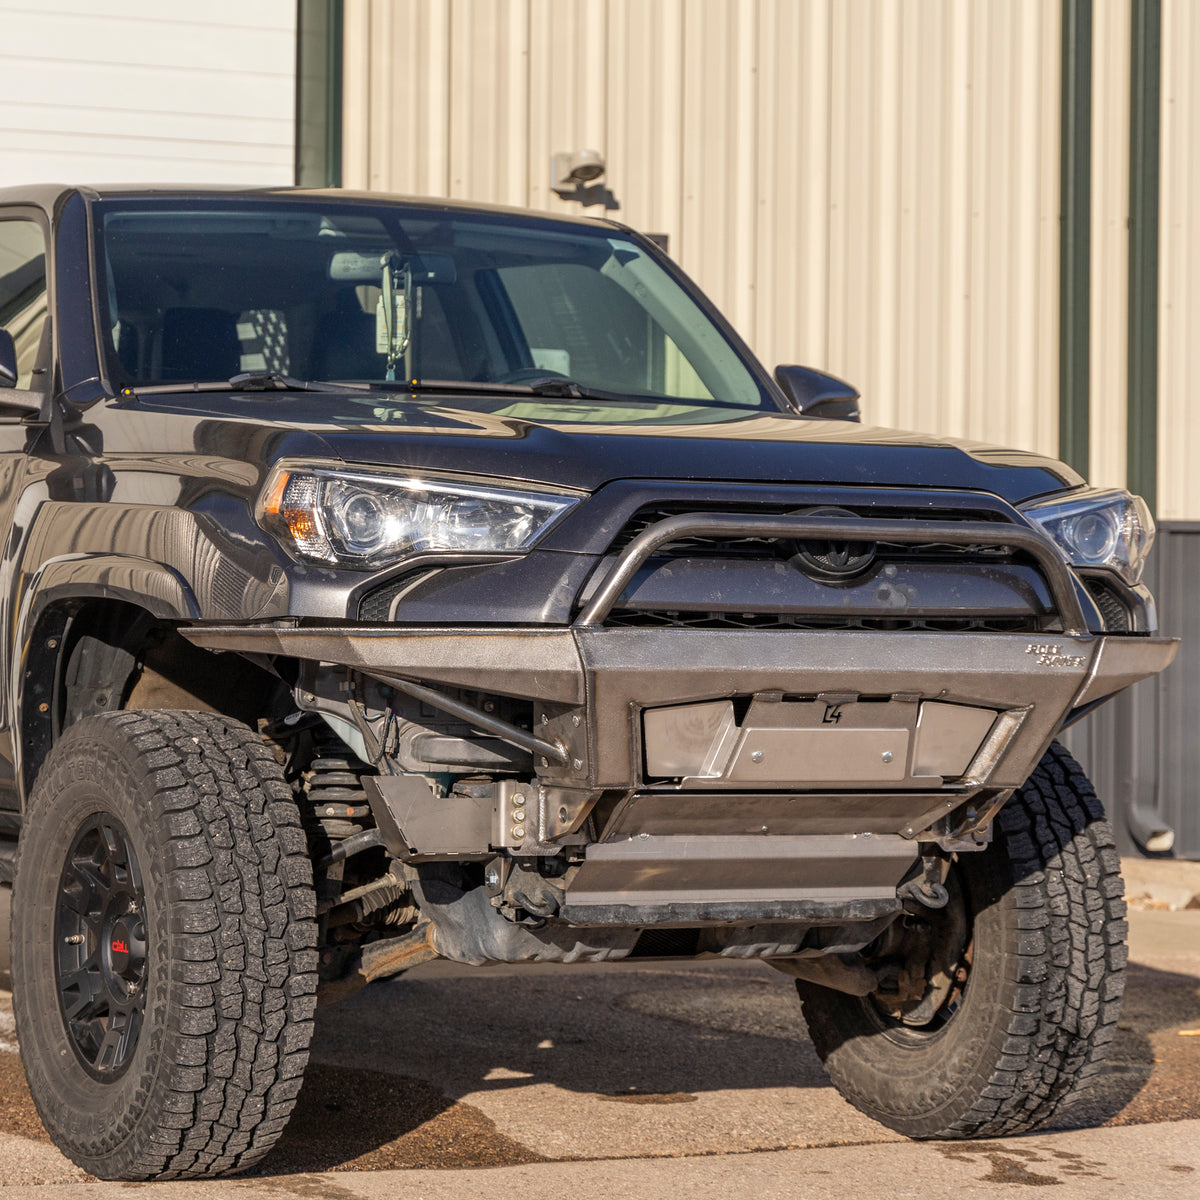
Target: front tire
[
  {"x": 1037, "y": 986},
  {"x": 163, "y": 934}
]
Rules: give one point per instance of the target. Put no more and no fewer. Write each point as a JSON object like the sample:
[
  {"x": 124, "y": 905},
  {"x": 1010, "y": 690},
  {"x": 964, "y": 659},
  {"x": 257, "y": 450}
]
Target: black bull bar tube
[{"x": 837, "y": 529}]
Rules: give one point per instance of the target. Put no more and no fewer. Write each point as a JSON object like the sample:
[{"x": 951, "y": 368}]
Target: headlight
[
  {"x": 1098, "y": 528},
  {"x": 367, "y": 518}
]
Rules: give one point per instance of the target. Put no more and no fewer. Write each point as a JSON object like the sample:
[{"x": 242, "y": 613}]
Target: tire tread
[{"x": 241, "y": 946}]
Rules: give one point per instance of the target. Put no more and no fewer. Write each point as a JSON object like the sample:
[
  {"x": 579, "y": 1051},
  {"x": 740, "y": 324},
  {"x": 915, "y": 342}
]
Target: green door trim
[
  {"x": 319, "y": 93},
  {"x": 1144, "y": 118},
  {"x": 1075, "y": 229}
]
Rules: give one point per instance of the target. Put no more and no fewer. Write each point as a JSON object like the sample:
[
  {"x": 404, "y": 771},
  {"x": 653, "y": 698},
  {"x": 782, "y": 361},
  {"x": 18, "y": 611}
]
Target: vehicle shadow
[{"x": 393, "y": 1065}]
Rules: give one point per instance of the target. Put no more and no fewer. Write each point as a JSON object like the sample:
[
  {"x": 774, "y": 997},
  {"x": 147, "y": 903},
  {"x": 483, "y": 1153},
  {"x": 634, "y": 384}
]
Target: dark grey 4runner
[{"x": 385, "y": 580}]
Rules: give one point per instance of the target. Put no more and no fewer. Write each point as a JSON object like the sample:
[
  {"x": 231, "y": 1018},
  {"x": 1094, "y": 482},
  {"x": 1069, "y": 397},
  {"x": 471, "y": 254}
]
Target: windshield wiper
[
  {"x": 554, "y": 387},
  {"x": 247, "y": 381},
  {"x": 462, "y": 386},
  {"x": 269, "y": 381}
]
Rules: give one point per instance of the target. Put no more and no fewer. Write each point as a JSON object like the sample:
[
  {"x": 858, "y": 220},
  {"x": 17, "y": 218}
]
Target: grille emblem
[{"x": 833, "y": 561}]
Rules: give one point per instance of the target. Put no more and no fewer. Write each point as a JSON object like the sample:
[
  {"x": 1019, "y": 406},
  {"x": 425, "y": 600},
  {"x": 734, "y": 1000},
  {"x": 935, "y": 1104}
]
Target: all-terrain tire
[
  {"x": 183, "y": 820},
  {"x": 1046, "y": 978}
]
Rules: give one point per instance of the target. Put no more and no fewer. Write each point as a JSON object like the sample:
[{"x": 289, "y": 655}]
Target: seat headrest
[{"x": 200, "y": 343}]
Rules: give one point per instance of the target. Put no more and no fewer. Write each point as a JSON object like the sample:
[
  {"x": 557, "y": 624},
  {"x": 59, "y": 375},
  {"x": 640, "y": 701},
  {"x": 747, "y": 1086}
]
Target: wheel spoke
[
  {"x": 116, "y": 854},
  {"x": 109, "y": 1053},
  {"x": 81, "y": 993},
  {"x": 98, "y": 889},
  {"x": 75, "y": 896},
  {"x": 112, "y": 842}
]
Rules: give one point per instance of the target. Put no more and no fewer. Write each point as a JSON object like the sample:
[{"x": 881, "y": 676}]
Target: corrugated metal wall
[
  {"x": 1179, "y": 264},
  {"x": 861, "y": 185}
]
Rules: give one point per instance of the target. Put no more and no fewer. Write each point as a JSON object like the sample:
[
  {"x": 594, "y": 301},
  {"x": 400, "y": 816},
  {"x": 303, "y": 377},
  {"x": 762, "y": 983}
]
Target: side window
[{"x": 23, "y": 291}]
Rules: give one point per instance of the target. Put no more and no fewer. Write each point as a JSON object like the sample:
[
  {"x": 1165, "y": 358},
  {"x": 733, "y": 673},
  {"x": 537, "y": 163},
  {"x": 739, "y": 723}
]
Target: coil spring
[{"x": 336, "y": 800}]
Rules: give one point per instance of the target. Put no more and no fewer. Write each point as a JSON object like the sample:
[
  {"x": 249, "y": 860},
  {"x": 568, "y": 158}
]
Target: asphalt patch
[
  {"x": 345, "y": 1120},
  {"x": 17, "y": 1114},
  {"x": 354, "y": 1120}
]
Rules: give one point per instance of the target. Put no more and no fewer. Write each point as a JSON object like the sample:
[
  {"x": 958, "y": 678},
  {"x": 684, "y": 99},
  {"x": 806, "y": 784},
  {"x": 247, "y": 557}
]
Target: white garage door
[{"x": 141, "y": 90}]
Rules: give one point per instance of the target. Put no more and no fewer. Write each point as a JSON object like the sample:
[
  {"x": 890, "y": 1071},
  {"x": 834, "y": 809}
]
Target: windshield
[{"x": 584, "y": 321}]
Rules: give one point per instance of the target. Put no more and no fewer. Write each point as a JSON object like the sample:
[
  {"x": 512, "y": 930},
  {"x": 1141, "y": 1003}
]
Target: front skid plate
[{"x": 765, "y": 878}]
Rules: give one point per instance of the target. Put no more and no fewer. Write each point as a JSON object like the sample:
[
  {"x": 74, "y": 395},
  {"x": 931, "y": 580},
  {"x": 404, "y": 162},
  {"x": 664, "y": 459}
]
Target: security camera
[{"x": 571, "y": 170}]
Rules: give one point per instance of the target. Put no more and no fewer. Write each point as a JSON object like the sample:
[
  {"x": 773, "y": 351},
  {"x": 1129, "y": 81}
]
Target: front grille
[
  {"x": 1112, "y": 608},
  {"x": 627, "y": 618},
  {"x": 768, "y": 548},
  {"x": 376, "y": 605}
]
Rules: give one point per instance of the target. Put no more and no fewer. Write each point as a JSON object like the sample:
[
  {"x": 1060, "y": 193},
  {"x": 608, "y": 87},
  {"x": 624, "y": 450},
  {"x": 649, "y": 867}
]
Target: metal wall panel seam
[
  {"x": 672, "y": 170},
  {"x": 821, "y": 128},
  {"x": 434, "y": 132}
]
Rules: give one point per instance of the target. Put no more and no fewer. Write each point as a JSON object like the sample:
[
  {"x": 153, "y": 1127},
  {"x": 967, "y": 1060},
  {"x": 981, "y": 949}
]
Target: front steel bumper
[{"x": 589, "y": 685}]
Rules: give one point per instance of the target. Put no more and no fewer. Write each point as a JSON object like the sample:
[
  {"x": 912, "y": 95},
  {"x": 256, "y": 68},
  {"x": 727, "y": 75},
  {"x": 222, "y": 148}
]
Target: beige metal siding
[
  {"x": 1179, "y": 264},
  {"x": 861, "y": 185}
]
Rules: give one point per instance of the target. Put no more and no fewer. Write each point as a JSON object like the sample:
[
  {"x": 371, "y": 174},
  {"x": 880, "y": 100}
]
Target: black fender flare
[{"x": 42, "y": 616}]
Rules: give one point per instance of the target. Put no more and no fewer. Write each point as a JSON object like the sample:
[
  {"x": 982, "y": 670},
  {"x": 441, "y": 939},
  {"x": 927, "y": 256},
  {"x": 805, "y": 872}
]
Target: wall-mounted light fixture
[{"x": 572, "y": 170}]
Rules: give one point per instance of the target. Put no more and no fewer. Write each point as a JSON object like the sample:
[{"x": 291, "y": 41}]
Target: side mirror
[
  {"x": 15, "y": 404},
  {"x": 816, "y": 394},
  {"x": 8, "y": 360}
]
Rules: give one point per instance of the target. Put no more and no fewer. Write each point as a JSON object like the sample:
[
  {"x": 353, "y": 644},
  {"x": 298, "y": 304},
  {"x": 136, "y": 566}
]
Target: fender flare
[{"x": 33, "y": 669}]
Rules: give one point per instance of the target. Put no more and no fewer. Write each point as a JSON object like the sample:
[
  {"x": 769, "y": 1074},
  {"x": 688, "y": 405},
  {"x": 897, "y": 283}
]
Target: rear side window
[{"x": 23, "y": 291}]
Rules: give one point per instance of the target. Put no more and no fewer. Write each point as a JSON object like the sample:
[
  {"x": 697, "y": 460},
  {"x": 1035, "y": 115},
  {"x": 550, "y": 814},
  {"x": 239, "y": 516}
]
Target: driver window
[{"x": 23, "y": 306}]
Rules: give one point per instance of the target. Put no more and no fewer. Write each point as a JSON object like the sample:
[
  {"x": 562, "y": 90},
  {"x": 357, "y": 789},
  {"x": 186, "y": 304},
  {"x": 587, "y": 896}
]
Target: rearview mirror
[
  {"x": 8, "y": 360},
  {"x": 816, "y": 394},
  {"x": 355, "y": 266}
]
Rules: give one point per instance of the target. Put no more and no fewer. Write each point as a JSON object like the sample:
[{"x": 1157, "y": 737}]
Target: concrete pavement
[{"x": 1142, "y": 1162}]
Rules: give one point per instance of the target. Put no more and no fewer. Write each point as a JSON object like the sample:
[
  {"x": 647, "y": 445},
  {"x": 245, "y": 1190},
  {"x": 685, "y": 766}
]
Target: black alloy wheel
[{"x": 100, "y": 946}]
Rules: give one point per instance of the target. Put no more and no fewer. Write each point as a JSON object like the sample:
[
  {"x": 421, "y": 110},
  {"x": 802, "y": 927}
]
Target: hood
[{"x": 758, "y": 448}]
